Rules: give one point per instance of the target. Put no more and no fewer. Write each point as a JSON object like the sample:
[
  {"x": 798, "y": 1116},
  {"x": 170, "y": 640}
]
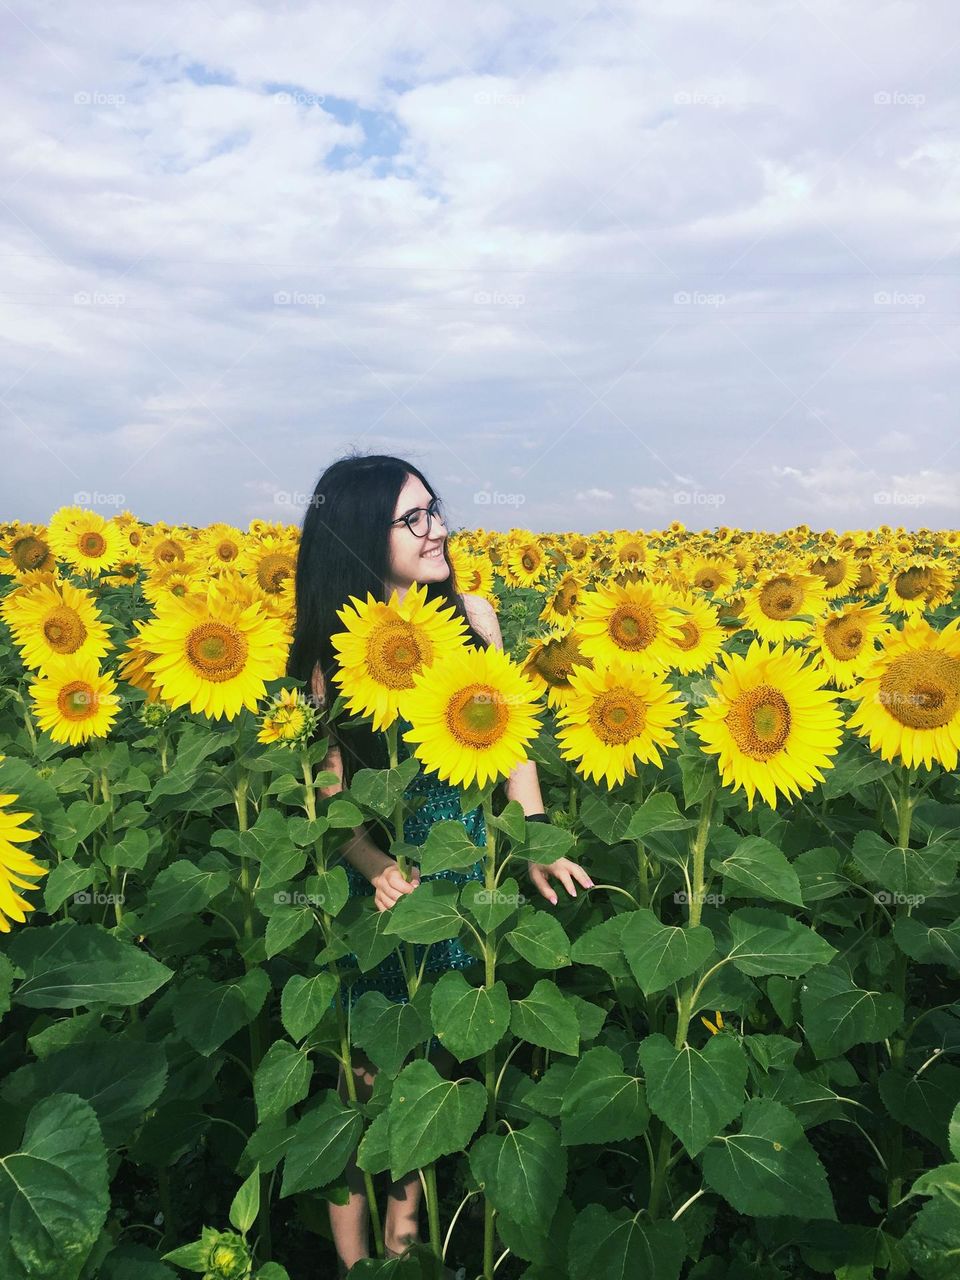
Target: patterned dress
[{"x": 442, "y": 802}]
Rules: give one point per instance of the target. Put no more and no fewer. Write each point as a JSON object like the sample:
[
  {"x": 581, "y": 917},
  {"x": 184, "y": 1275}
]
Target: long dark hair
[{"x": 344, "y": 552}]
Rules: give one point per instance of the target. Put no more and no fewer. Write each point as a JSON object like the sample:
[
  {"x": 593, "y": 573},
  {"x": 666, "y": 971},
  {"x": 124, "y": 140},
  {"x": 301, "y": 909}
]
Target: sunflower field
[{"x": 733, "y": 1056}]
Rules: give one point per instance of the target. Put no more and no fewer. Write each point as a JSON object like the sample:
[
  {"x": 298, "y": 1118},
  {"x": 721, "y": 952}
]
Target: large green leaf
[
  {"x": 320, "y": 1146},
  {"x": 208, "y": 1013},
  {"x": 363, "y": 929},
  {"x": 68, "y": 964},
  {"x": 658, "y": 812},
  {"x": 380, "y": 789},
  {"x": 837, "y": 1014},
  {"x": 904, "y": 871},
  {"x": 468, "y": 1020},
  {"x": 601, "y": 1103},
  {"x": 428, "y": 914},
  {"x": 933, "y": 1242},
  {"x": 661, "y": 954},
  {"x": 541, "y": 939},
  {"x": 431, "y": 1117},
  {"x": 766, "y": 941},
  {"x": 522, "y": 1172},
  {"x": 387, "y": 1030},
  {"x": 925, "y": 1102},
  {"x": 448, "y": 847},
  {"x": 602, "y": 947},
  {"x": 607, "y": 1245},
  {"x": 181, "y": 889},
  {"x": 546, "y": 1019},
  {"x": 53, "y": 1192},
  {"x": 695, "y": 1092},
  {"x": 304, "y": 1002},
  {"x": 491, "y": 907},
  {"x": 282, "y": 1079},
  {"x": 769, "y": 1169},
  {"x": 758, "y": 869},
  {"x": 928, "y": 942}
]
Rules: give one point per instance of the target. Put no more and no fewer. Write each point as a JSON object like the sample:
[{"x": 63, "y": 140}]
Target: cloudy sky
[{"x": 588, "y": 266}]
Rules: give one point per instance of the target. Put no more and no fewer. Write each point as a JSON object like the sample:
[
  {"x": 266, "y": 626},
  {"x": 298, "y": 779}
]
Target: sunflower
[
  {"x": 473, "y": 715},
  {"x": 844, "y": 642},
  {"x": 85, "y": 540},
  {"x": 213, "y": 653},
  {"x": 711, "y": 574},
  {"x": 550, "y": 662},
  {"x": 75, "y": 701},
  {"x": 182, "y": 578},
  {"x": 273, "y": 562},
  {"x": 133, "y": 665},
  {"x": 27, "y": 551},
  {"x": 386, "y": 645},
  {"x": 288, "y": 719},
  {"x": 770, "y": 722},
  {"x": 222, "y": 544},
  {"x": 578, "y": 552},
  {"x": 917, "y": 585},
  {"x": 909, "y": 699},
  {"x": 162, "y": 549},
  {"x": 837, "y": 571},
  {"x": 631, "y": 622},
  {"x": 775, "y": 607},
  {"x": 701, "y": 637},
  {"x": 614, "y": 717},
  {"x": 51, "y": 622},
  {"x": 526, "y": 564},
  {"x": 14, "y": 864},
  {"x": 560, "y": 607},
  {"x": 473, "y": 573}
]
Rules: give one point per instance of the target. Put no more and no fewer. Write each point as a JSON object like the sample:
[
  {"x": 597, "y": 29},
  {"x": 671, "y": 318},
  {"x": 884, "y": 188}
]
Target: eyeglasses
[{"x": 420, "y": 520}]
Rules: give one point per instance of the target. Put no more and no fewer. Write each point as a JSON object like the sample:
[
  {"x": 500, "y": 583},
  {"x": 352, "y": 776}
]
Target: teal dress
[{"x": 441, "y": 803}]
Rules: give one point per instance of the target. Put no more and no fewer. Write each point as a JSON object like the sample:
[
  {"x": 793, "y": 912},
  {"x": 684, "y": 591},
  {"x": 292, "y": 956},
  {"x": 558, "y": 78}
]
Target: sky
[{"x": 586, "y": 266}]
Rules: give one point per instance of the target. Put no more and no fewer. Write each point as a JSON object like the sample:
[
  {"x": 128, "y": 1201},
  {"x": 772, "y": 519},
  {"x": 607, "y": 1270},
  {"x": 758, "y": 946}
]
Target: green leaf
[
  {"x": 837, "y": 1014},
  {"x": 601, "y": 1103},
  {"x": 286, "y": 927},
  {"x": 766, "y": 941},
  {"x": 379, "y": 789},
  {"x": 342, "y": 814},
  {"x": 63, "y": 882},
  {"x": 820, "y": 875},
  {"x": 906, "y": 871},
  {"x": 541, "y": 939},
  {"x": 607, "y": 1245},
  {"x": 282, "y": 1079},
  {"x": 131, "y": 851},
  {"x": 364, "y": 929},
  {"x": 246, "y": 1203},
  {"x": 546, "y": 843},
  {"x": 925, "y": 1102},
  {"x": 428, "y": 914},
  {"x": 523, "y": 1172},
  {"x": 944, "y": 1180},
  {"x": 207, "y": 1013},
  {"x": 601, "y": 946},
  {"x": 320, "y": 1146},
  {"x": 431, "y": 1117},
  {"x": 758, "y": 869},
  {"x": 373, "y": 1153},
  {"x": 386, "y": 1030},
  {"x": 491, "y": 907},
  {"x": 661, "y": 954},
  {"x": 53, "y": 1192},
  {"x": 658, "y": 812},
  {"x": 609, "y": 820},
  {"x": 468, "y": 1020},
  {"x": 304, "y": 1002},
  {"x": 928, "y": 943},
  {"x": 933, "y": 1242},
  {"x": 69, "y": 964},
  {"x": 511, "y": 821},
  {"x": 695, "y": 1092},
  {"x": 769, "y": 1169},
  {"x": 544, "y": 1018},
  {"x": 448, "y": 847},
  {"x": 548, "y": 1093},
  {"x": 181, "y": 889}
]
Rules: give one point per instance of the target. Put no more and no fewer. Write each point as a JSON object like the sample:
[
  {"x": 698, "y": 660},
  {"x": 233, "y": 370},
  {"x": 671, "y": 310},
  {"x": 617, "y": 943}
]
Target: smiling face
[{"x": 414, "y": 559}]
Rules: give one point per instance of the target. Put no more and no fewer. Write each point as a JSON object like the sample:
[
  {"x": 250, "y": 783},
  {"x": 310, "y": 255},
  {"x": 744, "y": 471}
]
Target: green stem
[
  {"x": 433, "y": 1209},
  {"x": 490, "y": 1057},
  {"x": 906, "y": 802},
  {"x": 408, "y": 959},
  {"x": 643, "y": 874}
]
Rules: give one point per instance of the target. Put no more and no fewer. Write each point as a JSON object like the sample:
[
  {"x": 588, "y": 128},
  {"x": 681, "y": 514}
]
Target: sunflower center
[
  {"x": 92, "y": 543},
  {"x": 178, "y": 589},
  {"x": 394, "y": 655},
  {"x": 617, "y": 716},
  {"x": 631, "y": 551},
  {"x": 76, "y": 700},
  {"x": 529, "y": 561},
  {"x": 689, "y": 635},
  {"x": 831, "y": 571},
  {"x": 922, "y": 689},
  {"x": 217, "y": 651},
  {"x": 565, "y": 600},
  {"x": 227, "y": 551},
  {"x": 63, "y": 630},
  {"x": 912, "y": 583},
  {"x": 168, "y": 551},
  {"x": 844, "y": 637},
  {"x": 707, "y": 581},
  {"x": 781, "y": 597},
  {"x": 759, "y": 722},
  {"x": 28, "y": 553},
  {"x": 272, "y": 570},
  {"x": 477, "y": 715},
  {"x": 632, "y": 628}
]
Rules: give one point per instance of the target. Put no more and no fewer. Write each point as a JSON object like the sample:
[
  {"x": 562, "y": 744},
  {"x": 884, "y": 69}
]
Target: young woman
[{"x": 374, "y": 524}]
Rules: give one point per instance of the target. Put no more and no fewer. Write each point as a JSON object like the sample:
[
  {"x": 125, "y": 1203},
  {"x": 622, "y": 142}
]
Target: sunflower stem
[
  {"x": 490, "y": 1057},
  {"x": 409, "y": 958},
  {"x": 898, "y": 1043}
]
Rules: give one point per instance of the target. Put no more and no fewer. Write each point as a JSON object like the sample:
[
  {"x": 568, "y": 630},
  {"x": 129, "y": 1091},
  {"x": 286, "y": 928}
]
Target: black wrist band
[{"x": 536, "y": 817}]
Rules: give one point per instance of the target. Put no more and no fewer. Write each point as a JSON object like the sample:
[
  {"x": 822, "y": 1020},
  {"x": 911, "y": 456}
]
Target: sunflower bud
[
  {"x": 229, "y": 1258},
  {"x": 155, "y": 714},
  {"x": 289, "y": 720}
]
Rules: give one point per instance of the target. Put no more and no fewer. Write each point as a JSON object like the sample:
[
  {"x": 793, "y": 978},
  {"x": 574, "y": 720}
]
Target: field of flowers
[{"x": 733, "y": 1057}]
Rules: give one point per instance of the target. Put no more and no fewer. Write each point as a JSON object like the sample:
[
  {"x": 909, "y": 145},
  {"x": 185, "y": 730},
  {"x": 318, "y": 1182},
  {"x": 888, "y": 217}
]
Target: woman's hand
[
  {"x": 565, "y": 870},
  {"x": 389, "y": 885}
]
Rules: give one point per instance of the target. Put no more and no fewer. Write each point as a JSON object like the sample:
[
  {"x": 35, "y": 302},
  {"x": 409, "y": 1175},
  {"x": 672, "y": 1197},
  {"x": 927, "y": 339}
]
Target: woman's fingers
[
  {"x": 579, "y": 873},
  {"x": 538, "y": 875}
]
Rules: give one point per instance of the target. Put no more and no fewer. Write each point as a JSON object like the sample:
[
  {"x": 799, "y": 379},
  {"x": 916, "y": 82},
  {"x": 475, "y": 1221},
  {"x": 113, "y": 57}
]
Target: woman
[{"x": 375, "y": 525}]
